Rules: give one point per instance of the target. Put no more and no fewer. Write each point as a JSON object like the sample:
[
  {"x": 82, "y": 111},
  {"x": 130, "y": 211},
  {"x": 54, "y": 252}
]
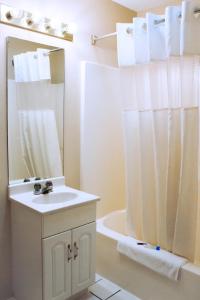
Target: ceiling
[{"x": 140, "y": 5}]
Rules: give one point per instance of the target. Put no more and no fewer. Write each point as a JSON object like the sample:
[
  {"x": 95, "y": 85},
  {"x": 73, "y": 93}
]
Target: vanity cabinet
[
  {"x": 57, "y": 267},
  {"x": 53, "y": 254},
  {"x": 83, "y": 264},
  {"x": 68, "y": 262}
]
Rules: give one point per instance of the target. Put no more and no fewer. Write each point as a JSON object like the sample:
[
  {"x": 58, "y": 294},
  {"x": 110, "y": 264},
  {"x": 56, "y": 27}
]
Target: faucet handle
[
  {"x": 37, "y": 188},
  {"x": 48, "y": 187},
  {"x": 27, "y": 180},
  {"x": 49, "y": 183}
]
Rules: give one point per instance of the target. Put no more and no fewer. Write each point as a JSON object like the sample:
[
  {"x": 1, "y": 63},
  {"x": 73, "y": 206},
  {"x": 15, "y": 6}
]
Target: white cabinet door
[
  {"x": 83, "y": 265},
  {"x": 57, "y": 267}
]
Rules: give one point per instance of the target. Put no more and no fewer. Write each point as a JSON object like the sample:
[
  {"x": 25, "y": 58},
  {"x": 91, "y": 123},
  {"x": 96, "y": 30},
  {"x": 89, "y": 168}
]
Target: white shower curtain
[
  {"x": 39, "y": 143},
  {"x": 37, "y": 108},
  {"x": 162, "y": 156}
]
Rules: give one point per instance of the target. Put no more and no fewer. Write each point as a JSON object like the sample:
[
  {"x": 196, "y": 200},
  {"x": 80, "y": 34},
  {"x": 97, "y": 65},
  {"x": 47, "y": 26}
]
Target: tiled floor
[{"x": 104, "y": 289}]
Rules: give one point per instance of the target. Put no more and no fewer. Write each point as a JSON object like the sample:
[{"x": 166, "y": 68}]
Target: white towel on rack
[
  {"x": 190, "y": 28},
  {"x": 140, "y": 41},
  {"x": 43, "y": 64},
  {"x": 173, "y": 28},
  {"x": 156, "y": 37},
  {"x": 125, "y": 44}
]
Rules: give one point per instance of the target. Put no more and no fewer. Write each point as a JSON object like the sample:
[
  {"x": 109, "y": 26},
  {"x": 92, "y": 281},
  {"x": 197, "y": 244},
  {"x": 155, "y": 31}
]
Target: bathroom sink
[{"x": 55, "y": 197}]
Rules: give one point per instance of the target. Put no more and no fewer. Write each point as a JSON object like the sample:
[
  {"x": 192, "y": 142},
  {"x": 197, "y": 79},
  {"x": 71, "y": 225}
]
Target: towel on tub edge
[{"x": 162, "y": 262}]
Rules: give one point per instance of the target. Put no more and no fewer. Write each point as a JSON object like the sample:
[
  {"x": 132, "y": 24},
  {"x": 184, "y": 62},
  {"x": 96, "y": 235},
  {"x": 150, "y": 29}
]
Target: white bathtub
[{"x": 134, "y": 277}]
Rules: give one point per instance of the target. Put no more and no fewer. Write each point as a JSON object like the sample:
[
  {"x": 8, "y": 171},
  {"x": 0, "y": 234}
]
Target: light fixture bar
[{"x": 28, "y": 21}]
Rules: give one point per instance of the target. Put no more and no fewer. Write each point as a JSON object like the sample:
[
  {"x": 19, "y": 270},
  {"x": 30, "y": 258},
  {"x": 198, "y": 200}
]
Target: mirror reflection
[{"x": 35, "y": 75}]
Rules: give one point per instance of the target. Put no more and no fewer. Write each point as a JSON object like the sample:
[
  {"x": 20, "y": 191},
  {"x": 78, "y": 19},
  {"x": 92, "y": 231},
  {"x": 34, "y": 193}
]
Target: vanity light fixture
[{"x": 27, "y": 20}]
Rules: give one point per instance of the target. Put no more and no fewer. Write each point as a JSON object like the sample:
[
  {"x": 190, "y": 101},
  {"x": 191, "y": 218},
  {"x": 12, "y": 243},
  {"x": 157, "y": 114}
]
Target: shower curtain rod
[
  {"x": 157, "y": 22},
  {"x": 95, "y": 38}
]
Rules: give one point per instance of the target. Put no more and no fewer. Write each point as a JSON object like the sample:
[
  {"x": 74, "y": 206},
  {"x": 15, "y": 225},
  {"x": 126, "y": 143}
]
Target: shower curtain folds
[{"x": 162, "y": 154}]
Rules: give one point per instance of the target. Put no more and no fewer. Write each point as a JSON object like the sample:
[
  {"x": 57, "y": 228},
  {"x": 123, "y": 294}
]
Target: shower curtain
[
  {"x": 35, "y": 129},
  {"x": 162, "y": 156},
  {"x": 39, "y": 143}
]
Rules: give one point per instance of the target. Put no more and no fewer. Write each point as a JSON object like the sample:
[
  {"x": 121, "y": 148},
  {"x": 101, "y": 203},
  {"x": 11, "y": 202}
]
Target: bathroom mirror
[{"x": 35, "y": 93}]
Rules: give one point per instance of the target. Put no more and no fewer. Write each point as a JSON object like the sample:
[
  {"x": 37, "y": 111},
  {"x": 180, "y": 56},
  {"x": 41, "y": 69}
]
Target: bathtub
[{"x": 134, "y": 277}]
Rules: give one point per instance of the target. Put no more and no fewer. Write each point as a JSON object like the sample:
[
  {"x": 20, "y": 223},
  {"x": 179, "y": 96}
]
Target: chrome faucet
[
  {"x": 48, "y": 187},
  {"x": 45, "y": 189}
]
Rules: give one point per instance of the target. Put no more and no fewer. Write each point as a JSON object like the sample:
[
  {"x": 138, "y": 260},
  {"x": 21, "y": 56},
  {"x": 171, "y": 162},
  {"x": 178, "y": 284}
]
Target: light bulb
[
  {"x": 29, "y": 19},
  {"x": 14, "y": 14},
  {"x": 64, "y": 28},
  {"x": 47, "y": 24},
  {"x": 33, "y": 20}
]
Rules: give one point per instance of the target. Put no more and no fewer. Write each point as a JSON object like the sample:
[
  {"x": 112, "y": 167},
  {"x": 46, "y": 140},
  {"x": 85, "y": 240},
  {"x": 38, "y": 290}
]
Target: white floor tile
[
  {"x": 88, "y": 296},
  {"x": 98, "y": 277},
  {"x": 123, "y": 295},
  {"x": 104, "y": 289}
]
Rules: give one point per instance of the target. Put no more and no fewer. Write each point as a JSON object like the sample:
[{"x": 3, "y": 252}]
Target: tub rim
[
  {"x": 114, "y": 235},
  {"x": 104, "y": 230}
]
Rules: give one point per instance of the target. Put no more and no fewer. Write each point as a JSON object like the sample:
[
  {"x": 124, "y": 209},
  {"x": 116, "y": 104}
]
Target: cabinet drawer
[{"x": 68, "y": 219}]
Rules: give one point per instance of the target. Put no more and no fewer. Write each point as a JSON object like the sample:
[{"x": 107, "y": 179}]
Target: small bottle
[{"x": 157, "y": 248}]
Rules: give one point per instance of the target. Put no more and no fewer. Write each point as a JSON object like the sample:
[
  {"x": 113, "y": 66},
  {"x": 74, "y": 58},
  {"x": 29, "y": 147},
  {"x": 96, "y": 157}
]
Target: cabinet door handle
[
  {"x": 69, "y": 253},
  {"x": 75, "y": 250}
]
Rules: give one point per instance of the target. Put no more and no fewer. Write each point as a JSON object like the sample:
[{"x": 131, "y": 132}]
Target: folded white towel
[
  {"x": 173, "y": 29},
  {"x": 125, "y": 44},
  {"x": 140, "y": 44},
  {"x": 156, "y": 37},
  {"x": 162, "y": 262},
  {"x": 43, "y": 64},
  {"x": 190, "y": 28}
]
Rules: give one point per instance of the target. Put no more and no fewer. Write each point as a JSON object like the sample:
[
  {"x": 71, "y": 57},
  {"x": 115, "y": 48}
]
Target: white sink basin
[
  {"x": 62, "y": 197},
  {"x": 55, "y": 197}
]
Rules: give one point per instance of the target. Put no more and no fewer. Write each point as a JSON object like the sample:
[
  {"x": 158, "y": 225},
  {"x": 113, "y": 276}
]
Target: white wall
[
  {"x": 91, "y": 16},
  {"x": 102, "y": 157},
  {"x": 159, "y": 9}
]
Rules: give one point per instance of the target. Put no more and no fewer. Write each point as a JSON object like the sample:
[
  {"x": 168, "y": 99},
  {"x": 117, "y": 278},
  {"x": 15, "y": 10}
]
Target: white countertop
[{"x": 24, "y": 195}]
